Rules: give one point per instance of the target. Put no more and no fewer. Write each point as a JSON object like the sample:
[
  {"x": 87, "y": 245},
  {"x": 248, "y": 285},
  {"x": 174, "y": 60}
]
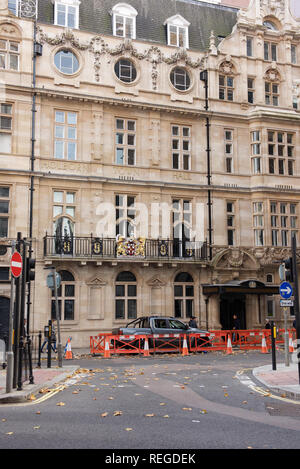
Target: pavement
[{"x": 284, "y": 380}]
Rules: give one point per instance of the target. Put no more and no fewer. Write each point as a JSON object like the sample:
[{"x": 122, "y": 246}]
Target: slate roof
[{"x": 94, "y": 16}]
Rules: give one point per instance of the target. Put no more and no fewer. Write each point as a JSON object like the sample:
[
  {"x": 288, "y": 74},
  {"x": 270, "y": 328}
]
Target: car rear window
[{"x": 161, "y": 323}]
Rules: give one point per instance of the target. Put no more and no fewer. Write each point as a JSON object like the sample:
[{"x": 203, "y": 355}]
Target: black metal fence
[{"x": 107, "y": 248}]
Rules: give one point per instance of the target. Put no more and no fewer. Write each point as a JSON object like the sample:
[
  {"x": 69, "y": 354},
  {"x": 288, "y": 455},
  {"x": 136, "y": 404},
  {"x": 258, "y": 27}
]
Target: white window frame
[
  {"x": 127, "y": 12},
  {"x": 65, "y": 135},
  {"x": 7, "y": 53},
  {"x": 177, "y": 22},
  {"x": 67, "y": 3},
  {"x": 15, "y": 4}
]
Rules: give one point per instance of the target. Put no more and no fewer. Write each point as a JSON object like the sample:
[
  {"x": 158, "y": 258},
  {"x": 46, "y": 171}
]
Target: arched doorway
[
  {"x": 4, "y": 318},
  {"x": 230, "y": 305}
]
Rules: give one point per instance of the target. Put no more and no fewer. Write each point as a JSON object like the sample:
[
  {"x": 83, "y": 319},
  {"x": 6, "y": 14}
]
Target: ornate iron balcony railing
[{"x": 129, "y": 248}]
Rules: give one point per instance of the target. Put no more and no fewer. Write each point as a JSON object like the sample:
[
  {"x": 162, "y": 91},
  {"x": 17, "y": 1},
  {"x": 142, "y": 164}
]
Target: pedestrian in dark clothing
[
  {"x": 294, "y": 324},
  {"x": 53, "y": 340},
  {"x": 236, "y": 325},
  {"x": 268, "y": 325},
  {"x": 192, "y": 322}
]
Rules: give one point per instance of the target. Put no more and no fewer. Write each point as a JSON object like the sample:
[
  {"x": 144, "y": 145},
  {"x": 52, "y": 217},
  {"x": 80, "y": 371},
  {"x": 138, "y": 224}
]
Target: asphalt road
[{"x": 168, "y": 402}]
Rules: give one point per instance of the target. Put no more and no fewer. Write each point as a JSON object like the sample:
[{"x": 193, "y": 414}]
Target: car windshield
[{"x": 175, "y": 324}]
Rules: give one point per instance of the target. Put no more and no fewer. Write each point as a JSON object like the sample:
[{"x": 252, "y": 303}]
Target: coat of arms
[{"x": 130, "y": 247}]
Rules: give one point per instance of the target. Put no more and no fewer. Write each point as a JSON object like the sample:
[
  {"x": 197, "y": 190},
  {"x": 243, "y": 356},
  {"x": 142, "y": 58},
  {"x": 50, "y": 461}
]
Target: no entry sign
[{"x": 16, "y": 264}]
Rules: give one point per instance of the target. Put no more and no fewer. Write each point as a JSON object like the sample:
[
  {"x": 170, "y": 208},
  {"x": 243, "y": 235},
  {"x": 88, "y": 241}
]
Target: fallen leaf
[
  {"x": 32, "y": 397},
  {"x": 36, "y": 427},
  {"x": 162, "y": 403},
  {"x": 149, "y": 415},
  {"x": 244, "y": 402},
  {"x": 186, "y": 408},
  {"x": 9, "y": 433},
  {"x": 225, "y": 394},
  {"x": 128, "y": 429},
  {"x": 166, "y": 416},
  {"x": 118, "y": 412},
  {"x": 60, "y": 404},
  {"x": 110, "y": 398},
  {"x": 104, "y": 414},
  {"x": 203, "y": 411},
  {"x": 38, "y": 412},
  {"x": 3, "y": 420},
  {"x": 43, "y": 390}
]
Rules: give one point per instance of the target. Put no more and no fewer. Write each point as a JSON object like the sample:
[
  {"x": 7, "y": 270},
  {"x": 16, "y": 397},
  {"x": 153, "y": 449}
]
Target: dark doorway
[
  {"x": 4, "y": 318},
  {"x": 231, "y": 304}
]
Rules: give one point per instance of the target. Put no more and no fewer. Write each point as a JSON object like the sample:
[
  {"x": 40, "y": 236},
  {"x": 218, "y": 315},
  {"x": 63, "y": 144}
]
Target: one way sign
[{"x": 285, "y": 290}]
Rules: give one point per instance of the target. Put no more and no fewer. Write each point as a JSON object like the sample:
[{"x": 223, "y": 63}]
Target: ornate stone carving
[
  {"x": 272, "y": 7},
  {"x": 272, "y": 74},
  {"x": 97, "y": 46},
  {"x": 96, "y": 282},
  {"x": 235, "y": 258},
  {"x": 227, "y": 68},
  {"x": 156, "y": 282},
  {"x": 8, "y": 29},
  {"x": 269, "y": 255}
]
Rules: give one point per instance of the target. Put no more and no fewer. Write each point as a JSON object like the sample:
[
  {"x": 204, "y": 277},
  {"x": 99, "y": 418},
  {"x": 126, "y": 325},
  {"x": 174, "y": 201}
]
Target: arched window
[
  {"x": 126, "y": 296},
  {"x": 270, "y": 25},
  {"x": 183, "y": 295},
  {"x": 66, "y": 297},
  {"x": 63, "y": 221}
]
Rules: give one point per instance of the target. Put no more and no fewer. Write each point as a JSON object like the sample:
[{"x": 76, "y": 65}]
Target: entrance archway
[{"x": 4, "y": 318}]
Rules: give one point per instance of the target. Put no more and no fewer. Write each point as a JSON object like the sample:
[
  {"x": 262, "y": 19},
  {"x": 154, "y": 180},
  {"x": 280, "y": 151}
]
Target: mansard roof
[{"x": 95, "y": 17}]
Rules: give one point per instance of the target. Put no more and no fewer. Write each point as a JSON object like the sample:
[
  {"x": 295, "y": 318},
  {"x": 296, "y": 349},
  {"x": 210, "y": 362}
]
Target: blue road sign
[{"x": 285, "y": 290}]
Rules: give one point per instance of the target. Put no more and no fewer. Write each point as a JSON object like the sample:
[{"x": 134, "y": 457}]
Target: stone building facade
[{"x": 164, "y": 159}]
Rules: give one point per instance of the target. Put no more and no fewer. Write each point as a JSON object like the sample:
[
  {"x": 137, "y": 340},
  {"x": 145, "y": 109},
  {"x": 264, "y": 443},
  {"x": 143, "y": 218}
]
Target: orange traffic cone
[
  {"x": 146, "y": 348},
  {"x": 185, "y": 347},
  {"x": 106, "y": 350},
  {"x": 264, "y": 348},
  {"x": 69, "y": 355},
  {"x": 229, "y": 346},
  {"x": 291, "y": 344}
]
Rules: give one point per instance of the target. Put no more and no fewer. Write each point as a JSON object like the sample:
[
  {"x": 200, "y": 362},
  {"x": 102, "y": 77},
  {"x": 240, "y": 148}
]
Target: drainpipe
[
  {"x": 204, "y": 78},
  {"x": 37, "y": 50}
]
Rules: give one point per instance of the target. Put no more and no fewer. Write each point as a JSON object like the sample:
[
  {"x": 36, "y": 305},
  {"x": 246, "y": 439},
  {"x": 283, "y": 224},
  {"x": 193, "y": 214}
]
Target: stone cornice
[{"x": 153, "y": 183}]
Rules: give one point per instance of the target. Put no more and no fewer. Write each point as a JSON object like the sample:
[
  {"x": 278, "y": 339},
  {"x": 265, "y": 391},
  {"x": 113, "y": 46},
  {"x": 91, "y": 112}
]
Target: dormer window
[
  {"x": 66, "y": 13},
  {"x": 124, "y": 20},
  {"x": 177, "y": 31}
]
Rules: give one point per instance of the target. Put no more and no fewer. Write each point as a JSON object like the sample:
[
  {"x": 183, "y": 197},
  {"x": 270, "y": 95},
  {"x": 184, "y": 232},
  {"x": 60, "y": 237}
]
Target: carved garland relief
[{"x": 98, "y": 47}]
